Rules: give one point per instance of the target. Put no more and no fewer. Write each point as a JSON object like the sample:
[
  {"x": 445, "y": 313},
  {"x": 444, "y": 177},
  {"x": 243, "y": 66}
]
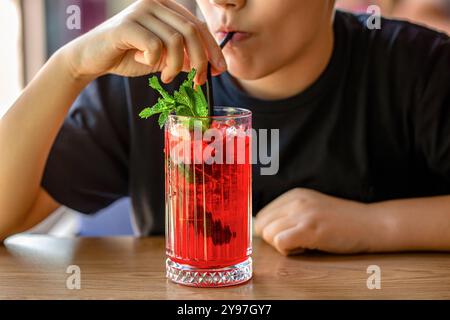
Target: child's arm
[
  {"x": 414, "y": 224},
  {"x": 27, "y": 133},
  {"x": 149, "y": 36},
  {"x": 306, "y": 219}
]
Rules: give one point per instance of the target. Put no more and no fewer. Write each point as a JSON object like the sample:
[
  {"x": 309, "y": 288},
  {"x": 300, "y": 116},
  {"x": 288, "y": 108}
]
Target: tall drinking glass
[{"x": 208, "y": 187}]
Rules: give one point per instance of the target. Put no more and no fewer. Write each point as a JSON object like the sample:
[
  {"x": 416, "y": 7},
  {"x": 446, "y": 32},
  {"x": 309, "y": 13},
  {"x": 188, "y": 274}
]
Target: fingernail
[
  {"x": 166, "y": 79},
  {"x": 201, "y": 78}
]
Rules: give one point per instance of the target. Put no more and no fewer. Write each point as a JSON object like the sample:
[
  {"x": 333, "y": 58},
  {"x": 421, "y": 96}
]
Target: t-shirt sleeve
[
  {"x": 432, "y": 116},
  {"x": 87, "y": 168}
]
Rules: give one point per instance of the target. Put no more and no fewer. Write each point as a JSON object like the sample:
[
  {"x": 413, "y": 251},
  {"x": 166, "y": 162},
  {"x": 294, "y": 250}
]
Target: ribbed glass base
[{"x": 195, "y": 277}]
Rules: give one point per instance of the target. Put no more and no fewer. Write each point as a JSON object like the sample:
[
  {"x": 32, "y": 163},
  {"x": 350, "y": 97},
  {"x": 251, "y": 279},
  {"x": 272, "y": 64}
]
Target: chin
[
  {"x": 253, "y": 67},
  {"x": 247, "y": 72}
]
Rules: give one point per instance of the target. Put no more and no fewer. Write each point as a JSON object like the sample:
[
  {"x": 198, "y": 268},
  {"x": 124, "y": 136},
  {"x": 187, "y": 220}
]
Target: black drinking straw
[{"x": 209, "y": 87}]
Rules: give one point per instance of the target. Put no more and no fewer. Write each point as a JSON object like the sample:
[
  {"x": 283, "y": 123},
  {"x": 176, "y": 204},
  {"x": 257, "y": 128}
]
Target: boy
[{"x": 363, "y": 118}]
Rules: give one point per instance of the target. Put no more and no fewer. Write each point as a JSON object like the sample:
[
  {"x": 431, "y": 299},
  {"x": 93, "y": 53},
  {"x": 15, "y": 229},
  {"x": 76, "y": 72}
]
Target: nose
[{"x": 228, "y": 4}]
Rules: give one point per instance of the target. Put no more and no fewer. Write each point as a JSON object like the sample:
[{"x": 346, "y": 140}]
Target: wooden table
[{"x": 34, "y": 267}]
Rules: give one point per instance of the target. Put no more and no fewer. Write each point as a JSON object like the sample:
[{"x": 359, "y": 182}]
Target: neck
[{"x": 296, "y": 76}]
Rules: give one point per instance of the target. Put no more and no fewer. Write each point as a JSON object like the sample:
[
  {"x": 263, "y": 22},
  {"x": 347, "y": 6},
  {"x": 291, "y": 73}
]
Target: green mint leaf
[
  {"x": 184, "y": 111},
  {"x": 159, "y": 107},
  {"x": 201, "y": 105},
  {"x": 154, "y": 83},
  {"x": 185, "y": 97},
  {"x": 183, "y": 100},
  {"x": 187, "y": 101},
  {"x": 146, "y": 113},
  {"x": 189, "y": 82},
  {"x": 163, "y": 118}
]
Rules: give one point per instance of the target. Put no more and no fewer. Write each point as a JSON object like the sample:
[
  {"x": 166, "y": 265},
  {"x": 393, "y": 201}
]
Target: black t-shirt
[{"x": 374, "y": 126}]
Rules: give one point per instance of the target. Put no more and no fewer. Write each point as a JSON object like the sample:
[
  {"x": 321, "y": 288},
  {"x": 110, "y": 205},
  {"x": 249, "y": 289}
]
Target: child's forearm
[
  {"x": 413, "y": 224},
  {"x": 27, "y": 133}
]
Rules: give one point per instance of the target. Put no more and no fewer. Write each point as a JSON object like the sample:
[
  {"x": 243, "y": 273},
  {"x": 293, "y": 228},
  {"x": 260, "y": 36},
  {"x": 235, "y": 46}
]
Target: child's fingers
[
  {"x": 186, "y": 64},
  {"x": 262, "y": 221},
  {"x": 134, "y": 36},
  {"x": 192, "y": 39},
  {"x": 271, "y": 230},
  {"x": 275, "y": 209},
  {"x": 215, "y": 54},
  {"x": 293, "y": 240},
  {"x": 173, "y": 42},
  {"x": 299, "y": 199}
]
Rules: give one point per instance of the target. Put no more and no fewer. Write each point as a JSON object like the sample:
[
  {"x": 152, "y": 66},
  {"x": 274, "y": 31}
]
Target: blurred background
[
  {"x": 432, "y": 13},
  {"x": 31, "y": 30}
]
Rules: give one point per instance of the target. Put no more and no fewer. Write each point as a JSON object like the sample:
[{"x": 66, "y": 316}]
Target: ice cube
[
  {"x": 231, "y": 131},
  {"x": 179, "y": 131}
]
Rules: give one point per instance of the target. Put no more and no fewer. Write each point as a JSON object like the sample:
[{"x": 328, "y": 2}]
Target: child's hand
[
  {"x": 305, "y": 219},
  {"x": 149, "y": 36}
]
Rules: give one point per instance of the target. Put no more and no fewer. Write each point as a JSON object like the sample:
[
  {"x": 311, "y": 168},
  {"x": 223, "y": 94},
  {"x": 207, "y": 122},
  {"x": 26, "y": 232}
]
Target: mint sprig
[{"x": 186, "y": 101}]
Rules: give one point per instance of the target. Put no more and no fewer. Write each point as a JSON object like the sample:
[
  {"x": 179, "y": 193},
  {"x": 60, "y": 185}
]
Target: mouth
[{"x": 239, "y": 36}]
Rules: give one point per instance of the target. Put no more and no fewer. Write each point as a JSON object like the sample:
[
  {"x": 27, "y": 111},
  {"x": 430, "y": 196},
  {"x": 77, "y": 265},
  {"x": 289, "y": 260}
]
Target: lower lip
[{"x": 238, "y": 37}]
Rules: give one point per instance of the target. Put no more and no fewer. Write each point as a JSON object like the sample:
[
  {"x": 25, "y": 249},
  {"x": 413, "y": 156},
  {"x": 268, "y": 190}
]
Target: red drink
[{"x": 208, "y": 199}]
